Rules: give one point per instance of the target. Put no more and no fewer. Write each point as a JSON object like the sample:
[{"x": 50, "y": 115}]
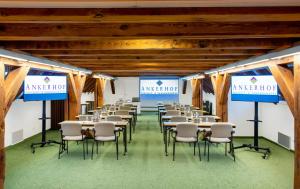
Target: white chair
[
  {"x": 122, "y": 112},
  {"x": 186, "y": 133},
  {"x": 221, "y": 133},
  {"x": 85, "y": 117},
  {"x": 127, "y": 108},
  {"x": 173, "y": 113},
  {"x": 71, "y": 131},
  {"x": 105, "y": 132},
  {"x": 176, "y": 119}
]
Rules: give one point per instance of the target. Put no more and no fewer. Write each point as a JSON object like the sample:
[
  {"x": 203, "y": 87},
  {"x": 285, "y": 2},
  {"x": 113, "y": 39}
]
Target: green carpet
[{"x": 146, "y": 166}]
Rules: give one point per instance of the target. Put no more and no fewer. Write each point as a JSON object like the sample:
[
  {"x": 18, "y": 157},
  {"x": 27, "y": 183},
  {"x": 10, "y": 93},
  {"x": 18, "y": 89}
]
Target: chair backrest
[
  {"x": 71, "y": 129},
  {"x": 186, "y": 130},
  {"x": 208, "y": 119},
  {"x": 221, "y": 130},
  {"x": 85, "y": 117},
  {"x": 199, "y": 112},
  {"x": 178, "y": 119},
  {"x": 105, "y": 129},
  {"x": 188, "y": 114},
  {"x": 114, "y": 118},
  {"x": 169, "y": 108},
  {"x": 125, "y": 108},
  {"x": 128, "y": 105},
  {"x": 112, "y": 108},
  {"x": 122, "y": 112},
  {"x": 173, "y": 113}
]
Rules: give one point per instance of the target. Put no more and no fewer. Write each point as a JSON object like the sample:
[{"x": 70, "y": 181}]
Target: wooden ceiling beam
[
  {"x": 198, "y": 30},
  {"x": 142, "y": 15},
  {"x": 147, "y": 57},
  {"x": 166, "y": 44},
  {"x": 158, "y": 53}
]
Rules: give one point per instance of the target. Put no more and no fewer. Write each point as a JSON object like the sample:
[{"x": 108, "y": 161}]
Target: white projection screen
[{"x": 154, "y": 90}]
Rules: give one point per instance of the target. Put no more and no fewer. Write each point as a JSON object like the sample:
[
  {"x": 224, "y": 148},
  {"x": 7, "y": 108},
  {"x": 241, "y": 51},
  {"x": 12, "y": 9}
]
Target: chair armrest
[{"x": 173, "y": 134}]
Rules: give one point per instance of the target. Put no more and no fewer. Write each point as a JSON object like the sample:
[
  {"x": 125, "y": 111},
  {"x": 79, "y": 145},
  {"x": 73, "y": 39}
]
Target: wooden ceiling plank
[
  {"x": 199, "y": 30},
  {"x": 150, "y": 44},
  {"x": 141, "y": 15}
]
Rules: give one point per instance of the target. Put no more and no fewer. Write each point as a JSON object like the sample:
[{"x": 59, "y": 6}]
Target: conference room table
[
  {"x": 168, "y": 125},
  {"x": 128, "y": 118},
  {"x": 90, "y": 125}
]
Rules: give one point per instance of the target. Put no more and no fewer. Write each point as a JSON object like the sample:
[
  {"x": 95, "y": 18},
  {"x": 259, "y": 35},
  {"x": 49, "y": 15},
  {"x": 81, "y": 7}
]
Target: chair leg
[
  {"x": 174, "y": 150},
  {"x": 232, "y": 150},
  {"x": 194, "y": 148},
  {"x": 83, "y": 148},
  {"x": 208, "y": 151},
  {"x": 225, "y": 149},
  {"x": 117, "y": 147},
  {"x": 60, "y": 149},
  {"x": 67, "y": 147},
  {"x": 97, "y": 146},
  {"x": 87, "y": 146},
  {"x": 92, "y": 150},
  {"x": 204, "y": 147},
  {"x": 169, "y": 137},
  {"x": 199, "y": 151}
]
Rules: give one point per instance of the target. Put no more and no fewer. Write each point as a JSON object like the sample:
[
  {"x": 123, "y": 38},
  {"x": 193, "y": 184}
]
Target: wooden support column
[
  {"x": 76, "y": 84},
  {"x": 99, "y": 92},
  {"x": 2, "y": 126},
  {"x": 285, "y": 80},
  {"x": 221, "y": 85},
  {"x": 297, "y": 121},
  {"x": 197, "y": 98},
  {"x": 9, "y": 88}
]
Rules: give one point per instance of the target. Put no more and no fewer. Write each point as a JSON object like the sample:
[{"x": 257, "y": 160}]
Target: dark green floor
[{"x": 145, "y": 166}]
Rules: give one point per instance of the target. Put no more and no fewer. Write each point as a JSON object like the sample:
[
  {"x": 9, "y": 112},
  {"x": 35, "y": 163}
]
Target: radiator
[
  {"x": 284, "y": 140},
  {"x": 17, "y": 136}
]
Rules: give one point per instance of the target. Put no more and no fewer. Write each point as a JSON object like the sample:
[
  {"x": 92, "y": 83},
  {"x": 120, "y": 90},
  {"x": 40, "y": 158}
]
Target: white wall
[
  {"x": 24, "y": 116},
  {"x": 276, "y": 118},
  {"x": 128, "y": 87}
]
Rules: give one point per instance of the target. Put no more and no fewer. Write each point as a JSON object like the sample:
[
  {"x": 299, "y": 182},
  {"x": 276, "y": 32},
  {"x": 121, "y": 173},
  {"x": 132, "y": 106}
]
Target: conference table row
[
  {"x": 168, "y": 125},
  {"x": 90, "y": 125}
]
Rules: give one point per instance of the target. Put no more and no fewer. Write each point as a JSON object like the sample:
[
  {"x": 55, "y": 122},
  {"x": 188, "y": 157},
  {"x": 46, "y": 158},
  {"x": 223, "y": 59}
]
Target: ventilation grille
[
  {"x": 284, "y": 140},
  {"x": 17, "y": 136}
]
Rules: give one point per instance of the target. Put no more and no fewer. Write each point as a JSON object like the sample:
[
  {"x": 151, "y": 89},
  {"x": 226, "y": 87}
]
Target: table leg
[
  {"x": 125, "y": 139},
  {"x": 165, "y": 140},
  {"x": 130, "y": 130}
]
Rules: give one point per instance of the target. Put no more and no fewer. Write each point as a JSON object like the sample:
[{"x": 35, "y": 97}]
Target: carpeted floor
[{"x": 146, "y": 166}]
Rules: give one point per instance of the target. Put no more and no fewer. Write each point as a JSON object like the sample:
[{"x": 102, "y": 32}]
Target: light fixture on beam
[
  {"x": 97, "y": 75},
  {"x": 259, "y": 59},
  {"x": 196, "y": 76},
  {"x": 41, "y": 61}
]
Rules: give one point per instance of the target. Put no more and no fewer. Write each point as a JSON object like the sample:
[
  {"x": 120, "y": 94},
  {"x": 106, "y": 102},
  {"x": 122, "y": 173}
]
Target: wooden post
[
  {"x": 297, "y": 121},
  {"x": 9, "y": 88},
  {"x": 99, "y": 91},
  {"x": 221, "y": 85},
  {"x": 197, "y": 97},
  {"x": 285, "y": 80},
  {"x": 2, "y": 126},
  {"x": 76, "y": 84}
]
